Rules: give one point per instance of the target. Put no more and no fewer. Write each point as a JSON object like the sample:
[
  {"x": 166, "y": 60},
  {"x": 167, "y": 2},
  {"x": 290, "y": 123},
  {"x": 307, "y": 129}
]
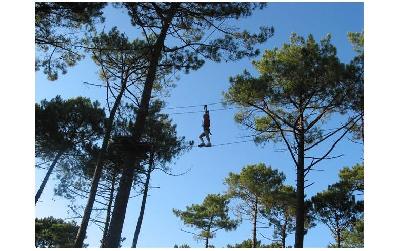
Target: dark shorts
[{"x": 206, "y": 132}]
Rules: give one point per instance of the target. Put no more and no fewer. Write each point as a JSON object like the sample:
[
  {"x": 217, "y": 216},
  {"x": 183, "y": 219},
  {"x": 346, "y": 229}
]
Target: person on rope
[{"x": 206, "y": 128}]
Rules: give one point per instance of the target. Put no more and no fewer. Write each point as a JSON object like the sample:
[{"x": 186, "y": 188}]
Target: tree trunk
[
  {"x": 362, "y": 127},
  {"x": 81, "y": 235},
  {"x": 109, "y": 207},
  {"x": 338, "y": 237},
  {"x": 254, "y": 244},
  {"x": 209, "y": 231},
  {"x": 121, "y": 200},
  {"x": 46, "y": 178},
  {"x": 283, "y": 241},
  {"x": 143, "y": 206},
  {"x": 299, "y": 236}
]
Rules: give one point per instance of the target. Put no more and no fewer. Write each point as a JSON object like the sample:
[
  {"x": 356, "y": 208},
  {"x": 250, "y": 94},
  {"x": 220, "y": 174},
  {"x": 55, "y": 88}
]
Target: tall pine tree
[{"x": 300, "y": 86}]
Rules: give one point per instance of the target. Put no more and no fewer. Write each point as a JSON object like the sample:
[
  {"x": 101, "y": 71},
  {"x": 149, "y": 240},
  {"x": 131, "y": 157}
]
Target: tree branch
[{"x": 333, "y": 146}]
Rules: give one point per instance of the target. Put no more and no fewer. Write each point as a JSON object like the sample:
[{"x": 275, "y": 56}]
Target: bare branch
[
  {"x": 309, "y": 185},
  {"x": 272, "y": 115},
  {"x": 330, "y": 134},
  {"x": 333, "y": 145}
]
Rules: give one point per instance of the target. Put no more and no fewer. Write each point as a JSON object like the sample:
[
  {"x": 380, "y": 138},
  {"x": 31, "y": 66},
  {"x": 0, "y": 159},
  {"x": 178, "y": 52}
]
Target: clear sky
[{"x": 209, "y": 167}]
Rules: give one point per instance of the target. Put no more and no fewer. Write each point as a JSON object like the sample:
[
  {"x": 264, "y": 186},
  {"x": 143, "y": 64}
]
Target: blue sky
[{"x": 209, "y": 167}]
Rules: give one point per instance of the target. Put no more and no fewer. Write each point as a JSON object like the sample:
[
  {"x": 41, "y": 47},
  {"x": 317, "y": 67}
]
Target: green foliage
[
  {"x": 280, "y": 211},
  {"x": 156, "y": 21},
  {"x": 353, "y": 177},
  {"x": 251, "y": 187},
  {"x": 302, "y": 77},
  {"x": 117, "y": 57},
  {"x": 182, "y": 246},
  {"x": 189, "y": 26},
  {"x": 209, "y": 216},
  {"x": 249, "y": 244},
  {"x": 66, "y": 125},
  {"x": 273, "y": 245},
  {"x": 160, "y": 131},
  {"x": 57, "y": 29},
  {"x": 76, "y": 174},
  {"x": 355, "y": 75},
  {"x": 54, "y": 233},
  {"x": 279, "y": 208},
  {"x": 66, "y": 129},
  {"x": 337, "y": 208},
  {"x": 246, "y": 244},
  {"x": 354, "y": 236},
  {"x": 253, "y": 182},
  {"x": 299, "y": 87},
  {"x": 357, "y": 40},
  {"x": 353, "y": 181}
]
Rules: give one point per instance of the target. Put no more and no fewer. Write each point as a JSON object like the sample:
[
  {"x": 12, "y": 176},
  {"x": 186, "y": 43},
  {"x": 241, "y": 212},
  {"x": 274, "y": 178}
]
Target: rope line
[
  {"x": 171, "y": 108},
  {"x": 213, "y": 110},
  {"x": 191, "y": 106},
  {"x": 231, "y": 143}
]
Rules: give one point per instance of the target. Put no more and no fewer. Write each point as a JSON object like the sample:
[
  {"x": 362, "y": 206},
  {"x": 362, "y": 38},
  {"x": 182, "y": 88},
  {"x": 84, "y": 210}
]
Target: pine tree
[
  {"x": 299, "y": 87},
  {"x": 337, "y": 208},
  {"x": 250, "y": 186},
  {"x": 280, "y": 211},
  {"x": 63, "y": 128},
  {"x": 209, "y": 217},
  {"x": 279, "y": 208},
  {"x": 121, "y": 64}
]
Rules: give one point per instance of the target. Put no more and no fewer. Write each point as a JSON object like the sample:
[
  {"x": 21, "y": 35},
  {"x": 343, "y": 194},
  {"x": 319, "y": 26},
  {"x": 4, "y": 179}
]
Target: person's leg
[
  {"x": 207, "y": 134},
  {"x": 201, "y": 137},
  {"x": 202, "y": 140}
]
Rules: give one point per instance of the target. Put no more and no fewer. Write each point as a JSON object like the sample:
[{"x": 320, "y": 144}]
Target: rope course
[{"x": 201, "y": 111}]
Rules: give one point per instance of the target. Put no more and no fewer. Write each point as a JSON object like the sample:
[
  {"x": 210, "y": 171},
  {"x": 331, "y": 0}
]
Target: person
[{"x": 206, "y": 128}]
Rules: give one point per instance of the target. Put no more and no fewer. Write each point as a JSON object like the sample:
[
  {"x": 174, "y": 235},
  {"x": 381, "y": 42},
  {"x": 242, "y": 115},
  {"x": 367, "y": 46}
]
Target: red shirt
[{"x": 206, "y": 120}]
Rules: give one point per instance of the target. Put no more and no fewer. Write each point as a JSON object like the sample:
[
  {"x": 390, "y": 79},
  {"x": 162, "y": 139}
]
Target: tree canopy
[
  {"x": 337, "y": 208},
  {"x": 54, "y": 233},
  {"x": 58, "y": 34},
  {"x": 209, "y": 216},
  {"x": 66, "y": 124},
  {"x": 250, "y": 186},
  {"x": 353, "y": 177}
]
